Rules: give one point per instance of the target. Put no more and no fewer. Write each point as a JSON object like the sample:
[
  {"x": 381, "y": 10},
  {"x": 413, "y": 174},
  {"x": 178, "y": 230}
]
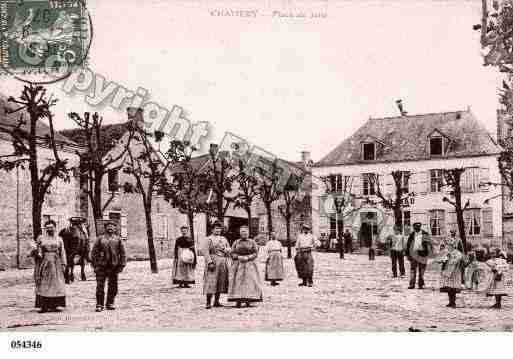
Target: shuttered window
[
  {"x": 484, "y": 178},
  {"x": 367, "y": 185},
  {"x": 472, "y": 219},
  {"x": 436, "y": 180},
  {"x": 437, "y": 222}
]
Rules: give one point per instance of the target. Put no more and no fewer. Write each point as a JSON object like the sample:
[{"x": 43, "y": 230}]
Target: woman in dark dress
[{"x": 183, "y": 273}]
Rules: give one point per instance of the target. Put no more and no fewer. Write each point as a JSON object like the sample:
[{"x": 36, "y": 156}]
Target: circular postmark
[{"x": 44, "y": 41}]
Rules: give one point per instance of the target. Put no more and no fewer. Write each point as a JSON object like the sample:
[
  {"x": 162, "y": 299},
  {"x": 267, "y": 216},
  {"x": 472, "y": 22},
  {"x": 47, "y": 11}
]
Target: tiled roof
[
  {"x": 109, "y": 135},
  {"x": 405, "y": 138},
  {"x": 11, "y": 120}
]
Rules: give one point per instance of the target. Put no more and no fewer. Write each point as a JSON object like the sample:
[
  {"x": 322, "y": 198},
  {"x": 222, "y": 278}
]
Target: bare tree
[
  {"x": 27, "y": 142},
  {"x": 148, "y": 168},
  {"x": 292, "y": 204},
  {"x": 219, "y": 176},
  {"x": 452, "y": 178},
  {"x": 269, "y": 186},
  {"x": 394, "y": 203},
  {"x": 94, "y": 164},
  {"x": 247, "y": 189},
  {"x": 187, "y": 188}
]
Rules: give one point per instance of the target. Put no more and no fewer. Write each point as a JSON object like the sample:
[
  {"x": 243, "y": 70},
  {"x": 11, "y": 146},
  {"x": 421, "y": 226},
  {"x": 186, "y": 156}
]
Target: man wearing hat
[
  {"x": 108, "y": 259},
  {"x": 305, "y": 243},
  {"x": 417, "y": 250},
  {"x": 76, "y": 243}
]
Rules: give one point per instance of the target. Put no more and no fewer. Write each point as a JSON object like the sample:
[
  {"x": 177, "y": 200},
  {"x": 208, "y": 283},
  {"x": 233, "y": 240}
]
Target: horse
[{"x": 76, "y": 243}]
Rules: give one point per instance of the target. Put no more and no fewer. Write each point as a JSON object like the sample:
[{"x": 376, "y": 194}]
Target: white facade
[{"x": 483, "y": 219}]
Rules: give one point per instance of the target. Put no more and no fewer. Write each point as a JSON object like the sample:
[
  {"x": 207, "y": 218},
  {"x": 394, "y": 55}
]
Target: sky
[{"x": 288, "y": 84}]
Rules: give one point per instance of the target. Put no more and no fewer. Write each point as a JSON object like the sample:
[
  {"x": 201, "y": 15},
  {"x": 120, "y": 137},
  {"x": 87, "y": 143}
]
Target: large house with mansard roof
[{"x": 421, "y": 146}]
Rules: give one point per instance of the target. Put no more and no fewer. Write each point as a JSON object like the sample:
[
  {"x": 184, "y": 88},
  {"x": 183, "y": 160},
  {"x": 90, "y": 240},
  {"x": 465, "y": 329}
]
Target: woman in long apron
[
  {"x": 216, "y": 266},
  {"x": 50, "y": 258},
  {"x": 274, "y": 262},
  {"x": 245, "y": 285}
]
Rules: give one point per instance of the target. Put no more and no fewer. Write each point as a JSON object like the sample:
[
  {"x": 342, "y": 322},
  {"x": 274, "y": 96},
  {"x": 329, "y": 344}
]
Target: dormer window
[
  {"x": 439, "y": 143},
  {"x": 436, "y": 146},
  {"x": 369, "y": 151}
]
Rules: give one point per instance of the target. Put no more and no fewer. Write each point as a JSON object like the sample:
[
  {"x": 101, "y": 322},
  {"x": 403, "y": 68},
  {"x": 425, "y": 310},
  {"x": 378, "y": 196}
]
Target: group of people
[
  {"x": 233, "y": 270},
  {"x": 458, "y": 270},
  {"x": 108, "y": 258}
]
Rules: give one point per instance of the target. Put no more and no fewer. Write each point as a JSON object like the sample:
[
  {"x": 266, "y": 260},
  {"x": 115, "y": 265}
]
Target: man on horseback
[{"x": 76, "y": 243}]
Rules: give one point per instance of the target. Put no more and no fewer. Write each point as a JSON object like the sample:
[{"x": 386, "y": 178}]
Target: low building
[
  {"x": 420, "y": 146},
  {"x": 62, "y": 201}
]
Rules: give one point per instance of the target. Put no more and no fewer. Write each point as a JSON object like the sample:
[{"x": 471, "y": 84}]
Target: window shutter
[
  {"x": 124, "y": 227},
  {"x": 484, "y": 176},
  {"x": 451, "y": 221},
  {"x": 357, "y": 185},
  {"x": 422, "y": 182},
  {"x": 488, "y": 222}
]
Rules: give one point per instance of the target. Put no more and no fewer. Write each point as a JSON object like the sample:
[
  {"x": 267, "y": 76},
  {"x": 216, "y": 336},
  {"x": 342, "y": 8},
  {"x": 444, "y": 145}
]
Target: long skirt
[
  {"x": 49, "y": 277},
  {"x": 496, "y": 286},
  {"x": 245, "y": 282},
  {"x": 274, "y": 267},
  {"x": 183, "y": 273},
  {"x": 216, "y": 281},
  {"x": 304, "y": 264}
]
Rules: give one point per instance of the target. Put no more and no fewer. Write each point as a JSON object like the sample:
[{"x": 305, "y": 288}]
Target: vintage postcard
[{"x": 257, "y": 165}]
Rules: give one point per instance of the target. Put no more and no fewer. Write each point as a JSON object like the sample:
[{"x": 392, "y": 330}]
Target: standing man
[
  {"x": 304, "y": 260},
  {"x": 417, "y": 250},
  {"x": 397, "y": 244},
  {"x": 108, "y": 258},
  {"x": 348, "y": 241}
]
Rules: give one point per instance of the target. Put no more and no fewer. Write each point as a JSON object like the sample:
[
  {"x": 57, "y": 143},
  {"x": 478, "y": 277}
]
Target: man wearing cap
[
  {"x": 305, "y": 243},
  {"x": 108, "y": 259},
  {"x": 76, "y": 243},
  {"x": 417, "y": 250}
]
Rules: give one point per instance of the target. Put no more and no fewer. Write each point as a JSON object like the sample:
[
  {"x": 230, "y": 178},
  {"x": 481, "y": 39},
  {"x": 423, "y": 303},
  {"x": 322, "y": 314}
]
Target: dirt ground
[{"x": 352, "y": 294}]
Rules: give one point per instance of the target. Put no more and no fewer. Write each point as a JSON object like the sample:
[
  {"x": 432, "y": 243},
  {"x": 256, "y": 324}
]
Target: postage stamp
[{"x": 42, "y": 41}]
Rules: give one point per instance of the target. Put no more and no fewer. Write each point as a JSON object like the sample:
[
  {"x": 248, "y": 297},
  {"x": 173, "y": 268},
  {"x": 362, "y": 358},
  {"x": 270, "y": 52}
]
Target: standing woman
[
  {"x": 183, "y": 266},
  {"x": 245, "y": 285},
  {"x": 216, "y": 266},
  {"x": 274, "y": 262},
  {"x": 452, "y": 266},
  {"x": 50, "y": 258},
  {"x": 499, "y": 266}
]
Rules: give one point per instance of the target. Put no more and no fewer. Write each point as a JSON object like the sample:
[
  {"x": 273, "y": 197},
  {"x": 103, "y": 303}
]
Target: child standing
[
  {"x": 499, "y": 267},
  {"x": 450, "y": 279}
]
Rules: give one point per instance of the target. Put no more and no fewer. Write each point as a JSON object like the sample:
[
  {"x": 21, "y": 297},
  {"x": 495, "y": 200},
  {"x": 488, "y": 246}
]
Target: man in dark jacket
[
  {"x": 417, "y": 251},
  {"x": 108, "y": 259}
]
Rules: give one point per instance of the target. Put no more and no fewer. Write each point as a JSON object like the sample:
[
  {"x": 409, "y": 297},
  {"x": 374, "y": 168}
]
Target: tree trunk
[
  {"x": 97, "y": 203},
  {"x": 151, "y": 245},
  {"x": 461, "y": 225},
  {"x": 190, "y": 218},
  {"x": 269, "y": 218},
  {"x": 37, "y": 208},
  {"x": 248, "y": 211},
  {"x": 398, "y": 217},
  {"x": 289, "y": 250}
]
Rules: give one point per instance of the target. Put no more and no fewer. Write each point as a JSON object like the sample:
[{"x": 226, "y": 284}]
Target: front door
[{"x": 368, "y": 228}]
